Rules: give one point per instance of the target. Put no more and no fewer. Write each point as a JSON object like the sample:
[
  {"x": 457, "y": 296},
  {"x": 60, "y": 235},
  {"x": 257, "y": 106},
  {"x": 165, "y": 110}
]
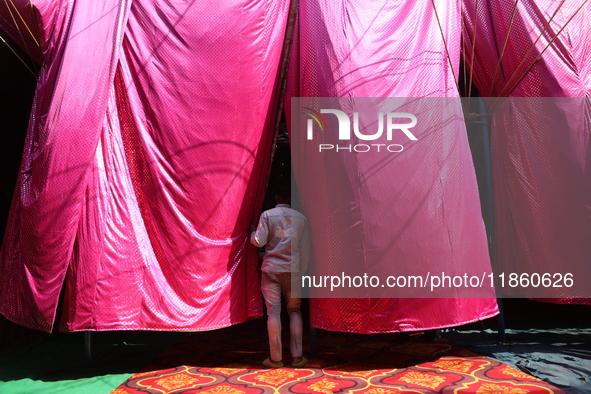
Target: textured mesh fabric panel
[
  {"x": 61, "y": 142},
  {"x": 547, "y": 52},
  {"x": 540, "y": 170},
  {"x": 390, "y": 49},
  {"x": 146, "y": 160}
]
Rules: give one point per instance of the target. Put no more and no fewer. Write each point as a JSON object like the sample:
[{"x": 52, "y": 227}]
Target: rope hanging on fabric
[
  {"x": 24, "y": 42},
  {"x": 498, "y": 66},
  {"x": 473, "y": 51},
  {"x": 18, "y": 56},
  {"x": 520, "y": 78},
  {"x": 506, "y": 91},
  {"x": 516, "y": 77},
  {"x": 444, "y": 42},
  {"x": 22, "y": 20}
]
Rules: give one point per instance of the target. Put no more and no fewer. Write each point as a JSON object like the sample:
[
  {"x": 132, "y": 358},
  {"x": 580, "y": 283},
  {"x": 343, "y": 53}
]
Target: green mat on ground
[{"x": 56, "y": 364}]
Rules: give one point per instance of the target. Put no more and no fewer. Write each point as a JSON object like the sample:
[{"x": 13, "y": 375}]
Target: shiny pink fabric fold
[
  {"x": 146, "y": 159},
  {"x": 540, "y": 166},
  {"x": 393, "y": 49}
]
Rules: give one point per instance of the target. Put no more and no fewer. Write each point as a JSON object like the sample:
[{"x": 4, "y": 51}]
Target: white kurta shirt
[{"x": 285, "y": 233}]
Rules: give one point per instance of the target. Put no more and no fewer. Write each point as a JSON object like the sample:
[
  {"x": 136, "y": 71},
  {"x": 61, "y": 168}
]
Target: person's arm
[
  {"x": 259, "y": 237},
  {"x": 305, "y": 246}
]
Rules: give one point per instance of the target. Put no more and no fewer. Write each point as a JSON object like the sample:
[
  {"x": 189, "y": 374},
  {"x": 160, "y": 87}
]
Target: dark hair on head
[{"x": 284, "y": 191}]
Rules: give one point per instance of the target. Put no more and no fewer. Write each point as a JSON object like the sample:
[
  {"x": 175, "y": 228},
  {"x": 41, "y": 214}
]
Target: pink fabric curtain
[
  {"x": 145, "y": 160},
  {"x": 541, "y": 169},
  {"x": 357, "y": 50},
  {"x": 148, "y": 146}
]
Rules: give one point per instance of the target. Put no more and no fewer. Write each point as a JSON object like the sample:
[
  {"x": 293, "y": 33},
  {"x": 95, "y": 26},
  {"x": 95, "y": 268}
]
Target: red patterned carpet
[{"x": 228, "y": 362}]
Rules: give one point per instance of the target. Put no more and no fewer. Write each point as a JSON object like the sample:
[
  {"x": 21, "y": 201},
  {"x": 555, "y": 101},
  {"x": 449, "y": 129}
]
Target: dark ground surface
[{"x": 549, "y": 341}]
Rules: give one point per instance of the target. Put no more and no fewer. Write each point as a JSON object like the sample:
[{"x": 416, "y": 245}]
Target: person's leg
[
  {"x": 271, "y": 290},
  {"x": 295, "y": 317}
]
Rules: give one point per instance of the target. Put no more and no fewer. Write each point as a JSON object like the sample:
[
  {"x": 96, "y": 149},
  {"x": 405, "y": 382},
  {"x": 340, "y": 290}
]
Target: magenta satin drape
[
  {"x": 148, "y": 148},
  {"x": 145, "y": 162},
  {"x": 541, "y": 173},
  {"x": 393, "y": 49}
]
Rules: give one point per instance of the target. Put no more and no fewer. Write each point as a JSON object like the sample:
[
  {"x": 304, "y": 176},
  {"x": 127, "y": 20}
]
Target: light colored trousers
[{"x": 272, "y": 286}]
